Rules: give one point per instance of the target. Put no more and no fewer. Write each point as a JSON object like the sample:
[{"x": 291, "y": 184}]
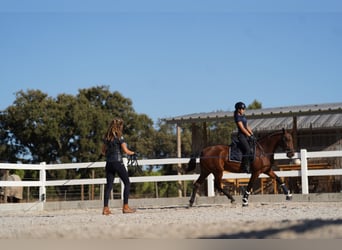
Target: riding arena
[{"x": 213, "y": 210}]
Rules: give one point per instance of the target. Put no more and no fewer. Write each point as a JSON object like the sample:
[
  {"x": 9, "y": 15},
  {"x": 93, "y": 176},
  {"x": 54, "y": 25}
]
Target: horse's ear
[{"x": 283, "y": 130}]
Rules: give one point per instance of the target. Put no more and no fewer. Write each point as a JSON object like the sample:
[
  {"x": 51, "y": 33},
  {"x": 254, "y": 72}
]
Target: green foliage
[
  {"x": 220, "y": 132},
  {"x": 255, "y": 105},
  {"x": 145, "y": 189},
  {"x": 38, "y": 128}
]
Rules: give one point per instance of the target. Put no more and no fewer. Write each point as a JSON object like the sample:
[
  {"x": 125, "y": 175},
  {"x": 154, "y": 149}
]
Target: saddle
[{"x": 235, "y": 153}]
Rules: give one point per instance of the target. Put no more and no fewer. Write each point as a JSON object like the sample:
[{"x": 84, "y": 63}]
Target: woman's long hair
[{"x": 114, "y": 130}]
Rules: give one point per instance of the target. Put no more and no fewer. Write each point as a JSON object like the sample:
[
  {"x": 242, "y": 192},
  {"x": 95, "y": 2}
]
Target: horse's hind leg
[
  {"x": 281, "y": 184},
  {"x": 193, "y": 195},
  {"x": 196, "y": 186},
  {"x": 218, "y": 185}
]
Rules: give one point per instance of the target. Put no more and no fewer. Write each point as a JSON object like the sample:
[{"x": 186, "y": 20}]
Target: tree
[
  {"x": 255, "y": 105},
  {"x": 39, "y": 128},
  {"x": 220, "y": 132},
  {"x": 32, "y": 126}
]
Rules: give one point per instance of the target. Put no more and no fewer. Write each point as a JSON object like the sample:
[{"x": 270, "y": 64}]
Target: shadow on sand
[{"x": 302, "y": 227}]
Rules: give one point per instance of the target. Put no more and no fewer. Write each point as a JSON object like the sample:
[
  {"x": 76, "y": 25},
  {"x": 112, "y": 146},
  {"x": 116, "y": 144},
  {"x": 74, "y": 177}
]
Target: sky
[{"x": 177, "y": 57}]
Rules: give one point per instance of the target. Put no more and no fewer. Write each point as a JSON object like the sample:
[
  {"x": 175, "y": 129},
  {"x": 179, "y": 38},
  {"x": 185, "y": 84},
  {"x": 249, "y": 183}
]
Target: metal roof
[
  {"x": 303, "y": 122},
  {"x": 308, "y": 116}
]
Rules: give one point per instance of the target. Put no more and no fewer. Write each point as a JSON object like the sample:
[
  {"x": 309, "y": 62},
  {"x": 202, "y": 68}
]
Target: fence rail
[{"x": 42, "y": 183}]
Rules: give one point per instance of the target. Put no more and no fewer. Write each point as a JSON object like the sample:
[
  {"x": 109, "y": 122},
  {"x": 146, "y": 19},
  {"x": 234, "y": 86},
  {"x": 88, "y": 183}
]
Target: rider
[{"x": 245, "y": 135}]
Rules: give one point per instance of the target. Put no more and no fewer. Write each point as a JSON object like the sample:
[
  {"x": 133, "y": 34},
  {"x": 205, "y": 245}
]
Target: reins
[{"x": 133, "y": 162}]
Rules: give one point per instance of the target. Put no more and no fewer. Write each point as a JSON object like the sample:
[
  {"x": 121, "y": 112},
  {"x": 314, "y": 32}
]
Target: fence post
[
  {"x": 211, "y": 190},
  {"x": 304, "y": 171},
  {"x": 42, "y": 177}
]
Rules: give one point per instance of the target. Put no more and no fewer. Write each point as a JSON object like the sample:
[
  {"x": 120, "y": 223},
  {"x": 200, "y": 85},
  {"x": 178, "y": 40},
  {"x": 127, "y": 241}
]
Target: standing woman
[
  {"x": 113, "y": 147},
  {"x": 245, "y": 136}
]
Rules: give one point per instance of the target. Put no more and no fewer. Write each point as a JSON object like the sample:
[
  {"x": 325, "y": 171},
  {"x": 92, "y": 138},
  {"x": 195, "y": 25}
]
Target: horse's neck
[{"x": 269, "y": 144}]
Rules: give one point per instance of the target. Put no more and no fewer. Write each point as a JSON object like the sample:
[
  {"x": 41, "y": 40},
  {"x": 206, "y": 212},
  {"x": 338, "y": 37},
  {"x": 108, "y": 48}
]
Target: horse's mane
[{"x": 271, "y": 135}]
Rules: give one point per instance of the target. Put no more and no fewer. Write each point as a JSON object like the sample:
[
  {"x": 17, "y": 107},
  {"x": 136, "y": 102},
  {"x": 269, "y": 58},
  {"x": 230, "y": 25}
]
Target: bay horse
[{"x": 215, "y": 160}]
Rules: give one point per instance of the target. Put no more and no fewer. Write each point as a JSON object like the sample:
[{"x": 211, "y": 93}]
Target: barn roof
[
  {"x": 303, "y": 122},
  {"x": 327, "y": 115}
]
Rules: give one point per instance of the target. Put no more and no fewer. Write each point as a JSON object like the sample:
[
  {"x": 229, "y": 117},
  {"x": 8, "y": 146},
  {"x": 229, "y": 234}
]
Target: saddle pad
[{"x": 235, "y": 153}]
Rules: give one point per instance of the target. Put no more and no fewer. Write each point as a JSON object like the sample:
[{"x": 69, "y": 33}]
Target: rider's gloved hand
[
  {"x": 252, "y": 138},
  {"x": 134, "y": 156}
]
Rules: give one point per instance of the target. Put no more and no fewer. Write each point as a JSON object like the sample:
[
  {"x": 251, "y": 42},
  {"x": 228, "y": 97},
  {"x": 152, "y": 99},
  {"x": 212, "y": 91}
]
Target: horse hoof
[
  {"x": 232, "y": 201},
  {"x": 244, "y": 202},
  {"x": 289, "y": 197}
]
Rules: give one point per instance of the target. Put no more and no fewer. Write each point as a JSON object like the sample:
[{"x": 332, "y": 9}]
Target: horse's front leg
[
  {"x": 248, "y": 190},
  {"x": 286, "y": 191}
]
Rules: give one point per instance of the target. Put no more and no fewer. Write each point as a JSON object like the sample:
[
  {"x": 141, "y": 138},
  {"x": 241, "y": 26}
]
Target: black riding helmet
[{"x": 240, "y": 105}]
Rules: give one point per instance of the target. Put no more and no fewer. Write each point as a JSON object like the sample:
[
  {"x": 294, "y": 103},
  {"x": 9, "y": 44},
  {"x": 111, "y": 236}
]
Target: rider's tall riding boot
[{"x": 245, "y": 164}]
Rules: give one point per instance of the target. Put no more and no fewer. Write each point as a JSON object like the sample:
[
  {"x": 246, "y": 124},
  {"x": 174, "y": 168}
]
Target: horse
[
  {"x": 10, "y": 194},
  {"x": 215, "y": 159}
]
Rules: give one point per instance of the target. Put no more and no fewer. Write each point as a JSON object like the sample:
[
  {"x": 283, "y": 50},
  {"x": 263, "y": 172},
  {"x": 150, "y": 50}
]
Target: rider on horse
[{"x": 245, "y": 136}]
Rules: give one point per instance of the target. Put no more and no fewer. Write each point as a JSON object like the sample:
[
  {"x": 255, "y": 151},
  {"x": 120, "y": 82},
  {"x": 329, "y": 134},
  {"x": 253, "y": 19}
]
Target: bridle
[{"x": 285, "y": 145}]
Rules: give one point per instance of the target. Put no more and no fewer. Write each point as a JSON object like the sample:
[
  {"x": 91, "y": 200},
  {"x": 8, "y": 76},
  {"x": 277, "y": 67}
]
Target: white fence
[{"x": 42, "y": 183}]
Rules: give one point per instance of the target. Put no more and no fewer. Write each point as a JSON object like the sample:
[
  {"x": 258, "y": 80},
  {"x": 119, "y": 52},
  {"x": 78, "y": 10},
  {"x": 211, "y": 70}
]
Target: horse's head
[{"x": 287, "y": 143}]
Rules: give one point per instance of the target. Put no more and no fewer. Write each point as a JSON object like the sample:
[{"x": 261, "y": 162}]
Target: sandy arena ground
[{"x": 287, "y": 220}]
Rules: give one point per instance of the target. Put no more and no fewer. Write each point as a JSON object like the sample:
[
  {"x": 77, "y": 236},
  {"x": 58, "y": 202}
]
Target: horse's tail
[{"x": 191, "y": 164}]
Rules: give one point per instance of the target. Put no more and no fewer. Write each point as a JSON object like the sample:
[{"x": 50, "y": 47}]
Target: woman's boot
[
  {"x": 106, "y": 211},
  {"x": 126, "y": 209},
  {"x": 245, "y": 164}
]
